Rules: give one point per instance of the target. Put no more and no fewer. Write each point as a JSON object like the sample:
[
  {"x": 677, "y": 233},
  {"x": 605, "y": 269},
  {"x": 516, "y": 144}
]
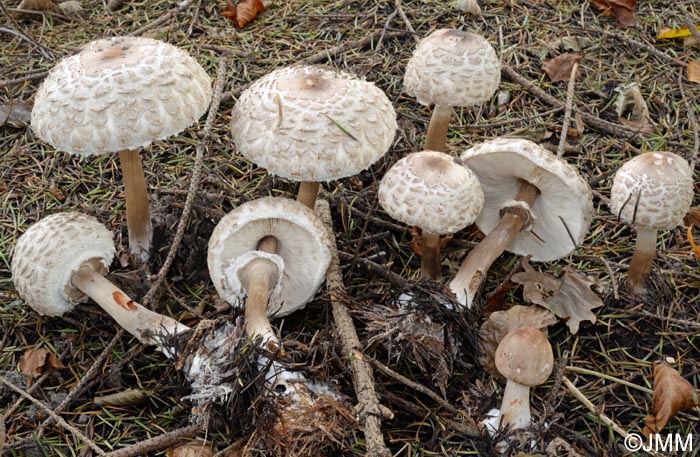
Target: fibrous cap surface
[
  {"x": 453, "y": 68},
  {"x": 562, "y": 211},
  {"x": 653, "y": 190},
  {"x": 303, "y": 244},
  {"x": 310, "y": 123},
  {"x": 430, "y": 190},
  {"x": 525, "y": 356},
  {"x": 50, "y": 251},
  {"x": 119, "y": 93}
]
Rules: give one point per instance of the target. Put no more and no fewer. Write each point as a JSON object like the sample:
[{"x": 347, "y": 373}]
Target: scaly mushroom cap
[
  {"x": 303, "y": 251},
  {"x": 313, "y": 124},
  {"x": 525, "y": 356},
  {"x": 430, "y": 190},
  {"x": 119, "y": 93},
  {"x": 652, "y": 190},
  {"x": 561, "y": 213},
  {"x": 453, "y": 68},
  {"x": 50, "y": 251}
]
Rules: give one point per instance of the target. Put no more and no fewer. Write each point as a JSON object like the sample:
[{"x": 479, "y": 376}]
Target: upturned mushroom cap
[
  {"x": 313, "y": 124},
  {"x": 50, "y": 251},
  {"x": 652, "y": 190},
  {"x": 453, "y": 68},
  {"x": 525, "y": 356},
  {"x": 430, "y": 190},
  {"x": 303, "y": 251},
  {"x": 119, "y": 93},
  {"x": 561, "y": 213}
]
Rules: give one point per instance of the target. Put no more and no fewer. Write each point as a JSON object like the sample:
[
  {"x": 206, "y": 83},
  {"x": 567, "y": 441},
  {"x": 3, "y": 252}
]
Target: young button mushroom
[
  {"x": 312, "y": 124},
  {"x": 534, "y": 204},
  {"x": 524, "y": 357},
  {"x": 117, "y": 95},
  {"x": 650, "y": 192},
  {"x": 451, "y": 68},
  {"x": 430, "y": 190}
]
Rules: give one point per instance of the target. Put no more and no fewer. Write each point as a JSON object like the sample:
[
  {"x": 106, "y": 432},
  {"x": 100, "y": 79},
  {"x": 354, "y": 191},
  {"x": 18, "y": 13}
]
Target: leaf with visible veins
[
  {"x": 559, "y": 68},
  {"x": 624, "y": 11},
  {"x": 33, "y": 361},
  {"x": 672, "y": 393}
]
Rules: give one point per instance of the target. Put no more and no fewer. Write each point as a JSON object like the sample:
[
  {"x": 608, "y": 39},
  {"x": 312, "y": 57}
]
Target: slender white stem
[
  {"x": 515, "y": 408},
  {"x": 138, "y": 214},
  {"x": 642, "y": 260},
  {"x": 436, "y": 138}
]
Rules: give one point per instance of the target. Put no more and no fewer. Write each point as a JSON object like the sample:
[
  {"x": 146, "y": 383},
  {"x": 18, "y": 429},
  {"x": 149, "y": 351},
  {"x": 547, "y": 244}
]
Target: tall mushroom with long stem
[
  {"x": 430, "y": 190},
  {"x": 312, "y": 124},
  {"x": 534, "y": 204},
  {"x": 118, "y": 95},
  {"x": 650, "y": 192},
  {"x": 451, "y": 68}
]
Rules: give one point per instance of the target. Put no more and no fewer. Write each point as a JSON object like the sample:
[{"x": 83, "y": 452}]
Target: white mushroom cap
[
  {"x": 561, "y": 213},
  {"x": 119, "y": 93},
  {"x": 430, "y": 190},
  {"x": 661, "y": 183},
  {"x": 303, "y": 244},
  {"x": 453, "y": 68},
  {"x": 50, "y": 251},
  {"x": 313, "y": 124}
]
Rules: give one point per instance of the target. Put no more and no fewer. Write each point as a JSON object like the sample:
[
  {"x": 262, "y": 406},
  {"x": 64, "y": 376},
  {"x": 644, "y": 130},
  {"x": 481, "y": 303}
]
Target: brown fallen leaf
[
  {"x": 672, "y": 393},
  {"x": 569, "y": 297},
  {"x": 632, "y": 108},
  {"x": 500, "y": 323},
  {"x": 624, "y": 11},
  {"x": 33, "y": 361},
  {"x": 244, "y": 12},
  {"x": 694, "y": 71},
  {"x": 35, "y": 5},
  {"x": 16, "y": 113},
  {"x": 559, "y": 68}
]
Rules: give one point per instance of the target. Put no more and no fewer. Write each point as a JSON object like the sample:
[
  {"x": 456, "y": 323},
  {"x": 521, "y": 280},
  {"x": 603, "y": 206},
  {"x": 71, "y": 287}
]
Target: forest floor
[{"x": 433, "y": 383}]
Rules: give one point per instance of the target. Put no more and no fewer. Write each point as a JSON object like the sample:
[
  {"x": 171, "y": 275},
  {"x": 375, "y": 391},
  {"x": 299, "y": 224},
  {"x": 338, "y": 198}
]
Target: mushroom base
[
  {"x": 138, "y": 214},
  {"x": 515, "y": 408}
]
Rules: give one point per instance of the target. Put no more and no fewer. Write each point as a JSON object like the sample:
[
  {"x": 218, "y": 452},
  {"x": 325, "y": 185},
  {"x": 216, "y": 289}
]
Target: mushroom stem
[
  {"x": 436, "y": 138},
  {"x": 430, "y": 256},
  {"x": 473, "y": 270},
  {"x": 515, "y": 407},
  {"x": 643, "y": 257},
  {"x": 138, "y": 214},
  {"x": 260, "y": 275},
  {"x": 308, "y": 190},
  {"x": 148, "y": 327}
]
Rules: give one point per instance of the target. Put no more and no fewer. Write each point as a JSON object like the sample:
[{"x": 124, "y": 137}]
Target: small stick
[
  {"x": 567, "y": 112},
  {"x": 194, "y": 182},
  {"x": 156, "y": 443},
  {"x": 165, "y": 17},
  {"x": 42, "y": 49},
  {"x": 59, "y": 420},
  {"x": 609, "y": 378},
  {"x": 399, "y": 8},
  {"x": 370, "y": 412}
]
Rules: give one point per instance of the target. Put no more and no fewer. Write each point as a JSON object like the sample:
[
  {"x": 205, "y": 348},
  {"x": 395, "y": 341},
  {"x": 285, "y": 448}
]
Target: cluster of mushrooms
[{"x": 312, "y": 124}]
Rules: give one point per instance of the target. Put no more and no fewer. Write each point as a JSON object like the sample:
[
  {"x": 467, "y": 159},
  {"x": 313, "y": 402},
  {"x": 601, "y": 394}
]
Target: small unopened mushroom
[
  {"x": 650, "y": 192},
  {"x": 534, "y": 204},
  {"x": 313, "y": 124},
  {"x": 524, "y": 357},
  {"x": 430, "y": 190},
  {"x": 118, "y": 95},
  {"x": 451, "y": 68}
]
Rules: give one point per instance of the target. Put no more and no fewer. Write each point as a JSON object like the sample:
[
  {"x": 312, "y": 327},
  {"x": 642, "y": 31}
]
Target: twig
[
  {"x": 369, "y": 411},
  {"x": 386, "y": 26},
  {"x": 593, "y": 121},
  {"x": 59, "y": 420},
  {"x": 689, "y": 23},
  {"x": 375, "y": 268},
  {"x": 42, "y": 49},
  {"x": 358, "y": 44},
  {"x": 195, "y": 17},
  {"x": 156, "y": 443},
  {"x": 608, "y": 268},
  {"x": 399, "y": 8},
  {"x": 516, "y": 120},
  {"x": 10, "y": 82},
  {"x": 609, "y": 378},
  {"x": 166, "y": 16},
  {"x": 693, "y": 122},
  {"x": 202, "y": 144},
  {"x": 567, "y": 112}
]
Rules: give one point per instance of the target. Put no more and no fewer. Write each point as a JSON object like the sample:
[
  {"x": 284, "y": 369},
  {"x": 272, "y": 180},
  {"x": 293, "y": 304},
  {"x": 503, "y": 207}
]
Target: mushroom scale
[
  {"x": 303, "y": 250},
  {"x": 453, "y": 68},
  {"x": 49, "y": 253},
  {"x": 119, "y": 93},
  {"x": 310, "y": 123},
  {"x": 563, "y": 210}
]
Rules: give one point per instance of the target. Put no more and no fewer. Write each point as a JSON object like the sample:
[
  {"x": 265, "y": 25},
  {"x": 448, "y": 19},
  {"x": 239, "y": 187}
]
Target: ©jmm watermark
[{"x": 671, "y": 442}]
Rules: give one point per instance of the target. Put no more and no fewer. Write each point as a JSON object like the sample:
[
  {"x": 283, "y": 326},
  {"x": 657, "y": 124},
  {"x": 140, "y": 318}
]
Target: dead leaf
[
  {"x": 244, "y": 12},
  {"x": 691, "y": 240},
  {"x": 570, "y": 43},
  {"x": 33, "y": 361},
  {"x": 694, "y": 71},
  {"x": 665, "y": 34},
  {"x": 672, "y": 393},
  {"x": 559, "y": 68},
  {"x": 35, "y": 5},
  {"x": 16, "y": 113},
  {"x": 569, "y": 297},
  {"x": 632, "y": 108},
  {"x": 692, "y": 216},
  {"x": 624, "y": 11},
  {"x": 195, "y": 448},
  {"x": 500, "y": 323}
]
